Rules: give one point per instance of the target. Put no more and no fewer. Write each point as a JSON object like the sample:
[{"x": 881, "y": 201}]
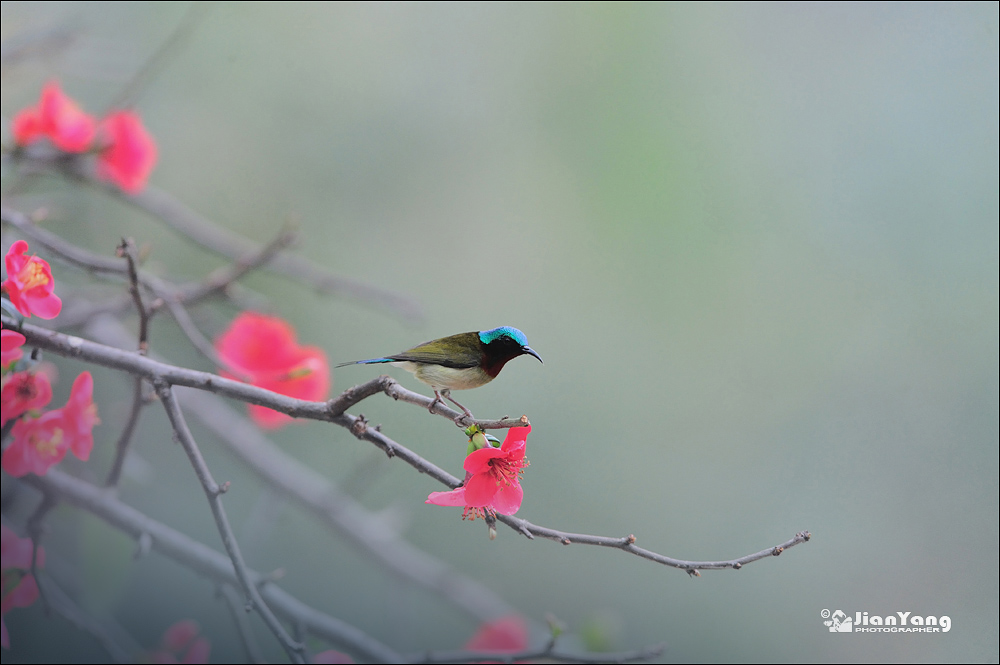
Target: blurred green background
[{"x": 756, "y": 246}]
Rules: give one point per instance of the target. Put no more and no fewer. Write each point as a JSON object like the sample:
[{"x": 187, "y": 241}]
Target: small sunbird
[{"x": 459, "y": 362}]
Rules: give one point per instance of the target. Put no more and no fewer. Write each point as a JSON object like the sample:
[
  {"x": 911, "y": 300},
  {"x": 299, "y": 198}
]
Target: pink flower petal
[{"x": 455, "y": 497}]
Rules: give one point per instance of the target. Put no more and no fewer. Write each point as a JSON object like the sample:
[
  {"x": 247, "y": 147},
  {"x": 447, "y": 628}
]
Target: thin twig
[
  {"x": 389, "y": 386},
  {"x": 213, "y": 492},
  {"x": 126, "y": 250},
  {"x": 168, "y": 49},
  {"x": 206, "y": 561},
  {"x": 221, "y": 279},
  {"x": 122, "y": 445}
]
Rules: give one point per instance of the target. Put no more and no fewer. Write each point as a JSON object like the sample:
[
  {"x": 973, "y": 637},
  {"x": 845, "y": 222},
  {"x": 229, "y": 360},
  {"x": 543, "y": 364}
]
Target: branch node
[
  {"x": 777, "y": 550},
  {"x": 566, "y": 541},
  {"x": 693, "y": 572},
  {"x": 737, "y": 565},
  {"x": 359, "y": 426},
  {"x": 223, "y": 488},
  {"x": 804, "y": 535}
]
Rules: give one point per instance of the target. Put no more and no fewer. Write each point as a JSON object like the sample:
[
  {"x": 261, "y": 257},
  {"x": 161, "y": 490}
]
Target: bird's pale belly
[{"x": 439, "y": 377}]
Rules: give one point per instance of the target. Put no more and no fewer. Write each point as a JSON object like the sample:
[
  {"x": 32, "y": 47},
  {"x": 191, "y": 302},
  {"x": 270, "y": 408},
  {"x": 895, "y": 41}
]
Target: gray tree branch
[{"x": 333, "y": 411}]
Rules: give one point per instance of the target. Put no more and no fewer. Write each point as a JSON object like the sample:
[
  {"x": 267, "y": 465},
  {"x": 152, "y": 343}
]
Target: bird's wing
[{"x": 458, "y": 354}]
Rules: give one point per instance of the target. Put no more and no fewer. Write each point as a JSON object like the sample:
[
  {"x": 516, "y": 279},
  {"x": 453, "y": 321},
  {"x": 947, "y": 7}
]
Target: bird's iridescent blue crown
[{"x": 487, "y": 336}]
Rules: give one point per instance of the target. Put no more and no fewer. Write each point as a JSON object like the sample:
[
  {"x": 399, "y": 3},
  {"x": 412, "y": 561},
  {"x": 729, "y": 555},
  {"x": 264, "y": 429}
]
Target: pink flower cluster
[
  {"x": 126, "y": 153},
  {"x": 40, "y": 439},
  {"x": 263, "y": 351}
]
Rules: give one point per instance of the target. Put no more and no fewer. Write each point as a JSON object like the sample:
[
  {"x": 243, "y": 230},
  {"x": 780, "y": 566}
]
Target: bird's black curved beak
[{"x": 531, "y": 352}]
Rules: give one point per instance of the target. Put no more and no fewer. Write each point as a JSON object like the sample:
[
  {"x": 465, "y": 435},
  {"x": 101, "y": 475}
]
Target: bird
[{"x": 459, "y": 362}]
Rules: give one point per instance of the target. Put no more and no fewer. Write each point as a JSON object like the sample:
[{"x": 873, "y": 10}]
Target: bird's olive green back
[{"x": 457, "y": 351}]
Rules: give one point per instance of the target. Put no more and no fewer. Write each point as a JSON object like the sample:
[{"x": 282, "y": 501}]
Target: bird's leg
[
  {"x": 437, "y": 400},
  {"x": 468, "y": 414}
]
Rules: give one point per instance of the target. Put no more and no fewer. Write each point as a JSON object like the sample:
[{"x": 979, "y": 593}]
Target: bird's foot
[
  {"x": 466, "y": 414},
  {"x": 437, "y": 400}
]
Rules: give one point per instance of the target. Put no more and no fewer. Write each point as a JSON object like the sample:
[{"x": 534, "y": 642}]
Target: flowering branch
[{"x": 333, "y": 411}]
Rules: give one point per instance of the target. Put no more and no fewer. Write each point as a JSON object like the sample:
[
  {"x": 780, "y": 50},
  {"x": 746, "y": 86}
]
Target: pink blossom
[
  {"x": 80, "y": 416},
  {"x": 130, "y": 154},
  {"x": 29, "y": 283},
  {"x": 263, "y": 349},
  {"x": 38, "y": 445},
  {"x": 57, "y": 117},
  {"x": 22, "y": 392},
  {"x": 492, "y": 479}
]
